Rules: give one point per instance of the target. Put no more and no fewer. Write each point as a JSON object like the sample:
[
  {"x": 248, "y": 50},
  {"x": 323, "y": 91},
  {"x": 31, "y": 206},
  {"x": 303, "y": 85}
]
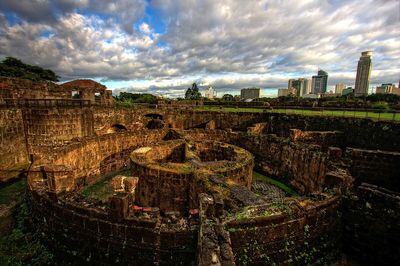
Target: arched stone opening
[{"x": 116, "y": 128}]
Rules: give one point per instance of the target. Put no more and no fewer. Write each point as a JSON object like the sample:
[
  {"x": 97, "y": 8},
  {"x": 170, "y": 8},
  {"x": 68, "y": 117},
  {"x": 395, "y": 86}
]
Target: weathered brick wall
[
  {"x": 323, "y": 138},
  {"x": 97, "y": 152},
  {"x": 104, "y": 118},
  {"x": 94, "y": 237},
  {"x": 15, "y": 88},
  {"x": 166, "y": 174},
  {"x": 46, "y": 126},
  {"x": 14, "y": 154},
  {"x": 299, "y": 236},
  {"x": 380, "y": 168},
  {"x": 371, "y": 219},
  {"x": 302, "y": 166},
  {"x": 358, "y": 133}
]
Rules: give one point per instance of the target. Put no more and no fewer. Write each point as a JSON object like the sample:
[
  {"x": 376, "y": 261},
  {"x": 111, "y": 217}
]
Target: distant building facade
[
  {"x": 347, "y": 91},
  {"x": 210, "y": 93},
  {"x": 301, "y": 85},
  {"x": 286, "y": 92},
  {"x": 319, "y": 82},
  {"x": 307, "y": 87},
  {"x": 388, "y": 88},
  {"x": 339, "y": 88},
  {"x": 250, "y": 93},
  {"x": 363, "y": 74}
]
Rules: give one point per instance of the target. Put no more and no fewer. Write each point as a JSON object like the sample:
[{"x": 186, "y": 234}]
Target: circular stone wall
[{"x": 167, "y": 170}]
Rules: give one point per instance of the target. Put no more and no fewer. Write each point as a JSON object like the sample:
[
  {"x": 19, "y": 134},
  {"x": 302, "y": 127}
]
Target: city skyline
[{"x": 162, "y": 47}]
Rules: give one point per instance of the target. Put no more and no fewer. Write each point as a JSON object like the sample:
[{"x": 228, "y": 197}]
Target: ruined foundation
[{"x": 192, "y": 199}]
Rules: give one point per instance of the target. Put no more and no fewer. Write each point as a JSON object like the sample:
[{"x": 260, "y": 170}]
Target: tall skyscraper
[
  {"x": 319, "y": 82},
  {"x": 363, "y": 74}
]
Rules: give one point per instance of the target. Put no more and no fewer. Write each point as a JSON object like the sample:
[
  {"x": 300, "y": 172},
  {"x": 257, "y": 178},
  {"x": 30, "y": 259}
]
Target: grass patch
[
  {"x": 13, "y": 192},
  {"x": 102, "y": 189},
  {"x": 357, "y": 114},
  {"x": 260, "y": 177}
]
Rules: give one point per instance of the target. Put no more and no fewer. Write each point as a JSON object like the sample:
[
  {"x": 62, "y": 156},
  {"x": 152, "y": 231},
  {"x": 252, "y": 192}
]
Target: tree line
[{"x": 13, "y": 67}]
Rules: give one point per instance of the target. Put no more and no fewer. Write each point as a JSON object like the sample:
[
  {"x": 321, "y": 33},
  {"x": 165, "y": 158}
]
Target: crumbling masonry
[{"x": 195, "y": 201}]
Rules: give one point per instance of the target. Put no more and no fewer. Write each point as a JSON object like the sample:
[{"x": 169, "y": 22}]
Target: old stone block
[{"x": 119, "y": 206}]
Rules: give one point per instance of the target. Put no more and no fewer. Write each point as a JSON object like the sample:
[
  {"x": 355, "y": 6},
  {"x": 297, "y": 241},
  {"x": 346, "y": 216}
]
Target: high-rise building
[
  {"x": 301, "y": 85},
  {"x": 307, "y": 87},
  {"x": 339, "y": 88},
  {"x": 210, "y": 93},
  {"x": 319, "y": 82},
  {"x": 250, "y": 93},
  {"x": 290, "y": 83},
  {"x": 363, "y": 74}
]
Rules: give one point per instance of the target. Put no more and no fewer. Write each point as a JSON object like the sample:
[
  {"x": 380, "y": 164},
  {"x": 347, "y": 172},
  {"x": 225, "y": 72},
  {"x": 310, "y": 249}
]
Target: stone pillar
[{"x": 119, "y": 206}]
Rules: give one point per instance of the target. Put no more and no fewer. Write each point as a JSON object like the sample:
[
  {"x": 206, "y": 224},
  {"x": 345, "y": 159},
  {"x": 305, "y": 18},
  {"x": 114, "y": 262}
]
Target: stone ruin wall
[
  {"x": 15, "y": 91},
  {"x": 370, "y": 209},
  {"x": 55, "y": 126},
  {"x": 105, "y": 234},
  {"x": 371, "y": 212},
  {"x": 92, "y": 234},
  {"x": 304, "y": 167},
  {"x": 371, "y": 231},
  {"x": 365, "y": 133},
  {"x": 14, "y": 88},
  {"x": 13, "y": 145},
  {"x": 97, "y": 152},
  {"x": 379, "y": 168},
  {"x": 302, "y": 235}
]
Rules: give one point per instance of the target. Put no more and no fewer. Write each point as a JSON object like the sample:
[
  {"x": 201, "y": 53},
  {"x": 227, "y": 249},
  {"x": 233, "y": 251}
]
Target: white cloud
[
  {"x": 226, "y": 43},
  {"x": 145, "y": 28}
]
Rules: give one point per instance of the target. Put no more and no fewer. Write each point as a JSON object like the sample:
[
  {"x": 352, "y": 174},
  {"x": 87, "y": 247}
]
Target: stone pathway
[{"x": 268, "y": 192}]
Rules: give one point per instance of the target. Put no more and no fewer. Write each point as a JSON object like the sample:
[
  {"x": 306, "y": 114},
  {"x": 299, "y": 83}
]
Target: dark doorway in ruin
[
  {"x": 156, "y": 121},
  {"x": 155, "y": 124},
  {"x": 154, "y": 116},
  {"x": 116, "y": 128}
]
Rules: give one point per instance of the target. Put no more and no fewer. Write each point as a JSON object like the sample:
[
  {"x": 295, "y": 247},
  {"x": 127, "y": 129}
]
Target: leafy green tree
[
  {"x": 193, "y": 93},
  {"x": 13, "y": 67},
  {"x": 136, "y": 98},
  {"x": 227, "y": 98}
]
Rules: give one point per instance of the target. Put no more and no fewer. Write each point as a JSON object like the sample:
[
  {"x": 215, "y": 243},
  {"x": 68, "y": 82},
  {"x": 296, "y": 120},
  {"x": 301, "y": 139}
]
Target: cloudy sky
[{"x": 162, "y": 46}]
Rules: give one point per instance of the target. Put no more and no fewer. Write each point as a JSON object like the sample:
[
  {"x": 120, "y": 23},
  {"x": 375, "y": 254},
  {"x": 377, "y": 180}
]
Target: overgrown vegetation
[
  {"x": 13, "y": 192},
  {"x": 102, "y": 189},
  {"x": 12, "y": 67},
  {"x": 128, "y": 98},
  {"x": 24, "y": 245}
]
